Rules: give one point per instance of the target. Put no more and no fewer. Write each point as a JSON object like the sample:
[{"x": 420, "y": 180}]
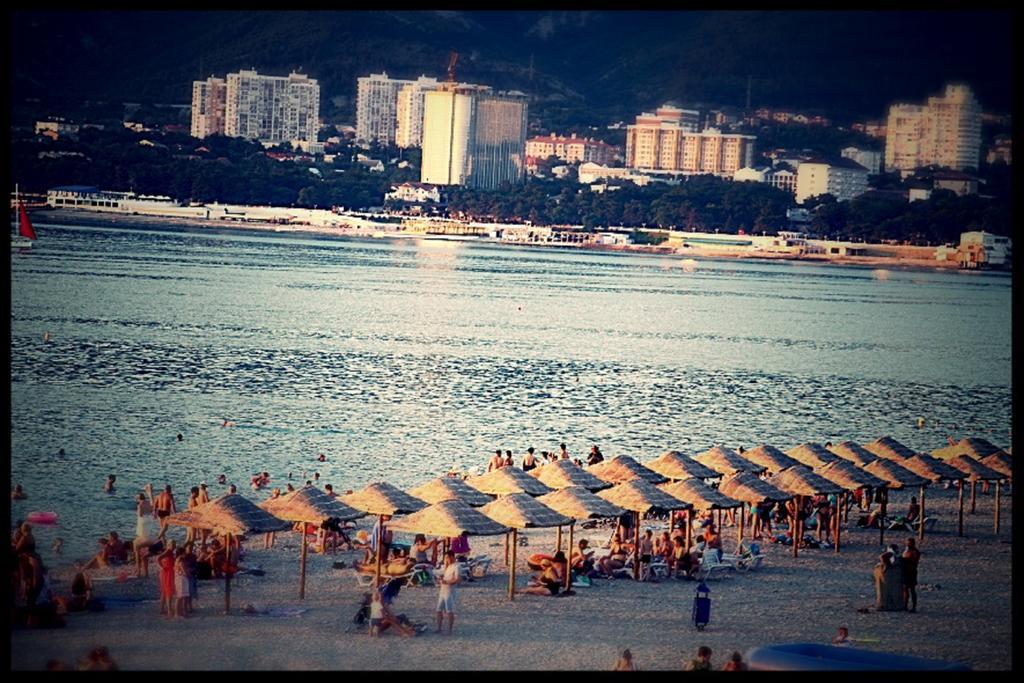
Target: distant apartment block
[
  {"x": 782, "y": 177},
  {"x": 473, "y": 137},
  {"x": 376, "y": 107},
  {"x": 570, "y": 149},
  {"x": 867, "y": 158},
  {"x": 1001, "y": 150},
  {"x": 409, "y": 111},
  {"x": 271, "y": 109},
  {"x": 662, "y": 141},
  {"x": 945, "y": 132},
  {"x": 842, "y": 178}
]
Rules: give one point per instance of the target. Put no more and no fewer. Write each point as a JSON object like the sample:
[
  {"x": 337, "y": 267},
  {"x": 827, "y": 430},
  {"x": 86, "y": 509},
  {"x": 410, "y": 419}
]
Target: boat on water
[{"x": 26, "y": 233}]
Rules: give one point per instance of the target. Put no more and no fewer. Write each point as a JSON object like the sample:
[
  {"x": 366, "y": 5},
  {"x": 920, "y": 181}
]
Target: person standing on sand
[
  {"x": 446, "y": 593},
  {"x": 911, "y": 558},
  {"x": 165, "y": 561},
  {"x": 885, "y": 578},
  {"x": 625, "y": 662},
  {"x": 163, "y": 507},
  {"x": 193, "y": 502}
]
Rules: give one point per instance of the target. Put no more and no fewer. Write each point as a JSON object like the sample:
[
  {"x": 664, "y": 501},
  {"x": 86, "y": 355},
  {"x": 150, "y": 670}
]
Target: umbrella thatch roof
[
  {"x": 624, "y": 468},
  {"x": 449, "y": 518},
  {"x": 931, "y": 468},
  {"x": 450, "y": 488},
  {"x": 579, "y": 503},
  {"x": 522, "y": 511},
  {"x": 699, "y": 495},
  {"x": 848, "y": 475},
  {"x": 748, "y": 488},
  {"x": 727, "y": 461},
  {"x": 1000, "y": 462},
  {"x": 564, "y": 473},
  {"x": 676, "y": 465},
  {"x": 309, "y": 504},
  {"x": 381, "y": 498},
  {"x": 801, "y": 481},
  {"x": 229, "y": 514},
  {"x": 812, "y": 454},
  {"x": 890, "y": 449},
  {"x": 974, "y": 469},
  {"x": 976, "y": 448},
  {"x": 642, "y": 496},
  {"x": 769, "y": 457},
  {"x": 508, "y": 480},
  {"x": 854, "y": 452},
  {"x": 896, "y": 476}
]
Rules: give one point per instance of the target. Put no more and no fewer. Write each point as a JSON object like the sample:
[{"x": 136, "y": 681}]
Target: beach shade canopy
[
  {"x": 854, "y": 452},
  {"x": 769, "y": 457},
  {"x": 848, "y": 475},
  {"x": 699, "y": 495},
  {"x": 522, "y": 511},
  {"x": 579, "y": 503},
  {"x": 381, "y": 498},
  {"x": 641, "y": 496},
  {"x": 1000, "y": 462},
  {"x": 974, "y": 470},
  {"x": 230, "y": 514},
  {"x": 932, "y": 469},
  {"x": 750, "y": 489},
  {"x": 799, "y": 480},
  {"x": 895, "y": 476},
  {"x": 890, "y": 449},
  {"x": 727, "y": 461},
  {"x": 309, "y": 504},
  {"x": 976, "y": 448},
  {"x": 450, "y": 488},
  {"x": 449, "y": 518},
  {"x": 624, "y": 468},
  {"x": 565, "y": 473},
  {"x": 812, "y": 454},
  {"x": 676, "y": 465},
  {"x": 508, "y": 480}
]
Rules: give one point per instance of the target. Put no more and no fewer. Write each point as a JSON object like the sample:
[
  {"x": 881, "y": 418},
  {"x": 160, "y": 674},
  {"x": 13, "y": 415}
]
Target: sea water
[{"x": 401, "y": 360}]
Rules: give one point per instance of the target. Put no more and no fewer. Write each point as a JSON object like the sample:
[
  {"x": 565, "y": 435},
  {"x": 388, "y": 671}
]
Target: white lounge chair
[{"x": 709, "y": 562}]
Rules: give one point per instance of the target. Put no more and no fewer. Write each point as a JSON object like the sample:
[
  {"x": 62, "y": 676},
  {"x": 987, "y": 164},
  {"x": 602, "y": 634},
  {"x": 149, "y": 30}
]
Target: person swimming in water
[
  {"x": 180, "y": 437},
  {"x": 109, "y": 486},
  {"x": 322, "y": 458}
]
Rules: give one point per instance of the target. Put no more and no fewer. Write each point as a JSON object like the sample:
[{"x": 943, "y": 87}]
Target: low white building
[
  {"x": 748, "y": 174},
  {"x": 842, "y": 178},
  {"x": 590, "y": 173},
  {"x": 416, "y": 193},
  {"x": 980, "y": 248}
]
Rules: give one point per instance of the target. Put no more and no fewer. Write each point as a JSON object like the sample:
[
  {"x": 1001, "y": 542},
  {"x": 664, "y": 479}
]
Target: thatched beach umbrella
[
  {"x": 381, "y": 498},
  {"x": 450, "y": 488},
  {"x": 675, "y": 465},
  {"x": 521, "y": 511},
  {"x": 449, "y": 518},
  {"x": 565, "y": 473},
  {"x": 854, "y": 452},
  {"x": 508, "y": 480},
  {"x": 1001, "y": 462},
  {"x": 642, "y": 497},
  {"x": 932, "y": 469},
  {"x": 769, "y": 457},
  {"x": 890, "y": 449},
  {"x": 896, "y": 477},
  {"x": 801, "y": 481},
  {"x": 974, "y": 447},
  {"x": 703, "y": 497},
  {"x": 976, "y": 472},
  {"x": 726, "y": 461},
  {"x": 750, "y": 489},
  {"x": 230, "y": 515},
  {"x": 624, "y": 468},
  {"x": 812, "y": 455},
  {"x": 851, "y": 477},
  {"x": 578, "y": 503},
  {"x": 308, "y": 504}
]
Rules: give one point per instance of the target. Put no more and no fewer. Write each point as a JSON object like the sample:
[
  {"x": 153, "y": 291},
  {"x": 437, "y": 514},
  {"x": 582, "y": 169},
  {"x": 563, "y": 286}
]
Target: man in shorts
[
  {"x": 164, "y": 506},
  {"x": 446, "y": 594}
]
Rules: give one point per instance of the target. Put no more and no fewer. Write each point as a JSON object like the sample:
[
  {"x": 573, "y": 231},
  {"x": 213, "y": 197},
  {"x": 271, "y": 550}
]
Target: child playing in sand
[
  {"x": 842, "y": 638},
  {"x": 376, "y": 614}
]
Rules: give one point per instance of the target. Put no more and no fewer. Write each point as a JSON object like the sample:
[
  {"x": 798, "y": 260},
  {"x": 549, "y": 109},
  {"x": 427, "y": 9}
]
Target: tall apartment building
[
  {"x": 208, "y": 99},
  {"x": 570, "y": 149},
  {"x": 409, "y": 111},
  {"x": 945, "y": 132},
  {"x": 473, "y": 137},
  {"x": 661, "y": 141},
  {"x": 842, "y": 178}
]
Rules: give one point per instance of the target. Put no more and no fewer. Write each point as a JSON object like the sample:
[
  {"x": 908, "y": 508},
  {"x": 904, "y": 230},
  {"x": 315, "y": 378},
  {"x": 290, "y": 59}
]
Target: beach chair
[
  {"x": 709, "y": 562},
  {"x": 478, "y": 566},
  {"x": 659, "y": 568},
  {"x": 929, "y": 524}
]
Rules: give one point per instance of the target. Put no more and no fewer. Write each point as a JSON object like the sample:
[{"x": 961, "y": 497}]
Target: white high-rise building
[
  {"x": 473, "y": 137},
  {"x": 271, "y": 109},
  {"x": 409, "y": 111},
  {"x": 208, "y": 98},
  {"x": 842, "y": 178},
  {"x": 945, "y": 132},
  {"x": 376, "y": 107}
]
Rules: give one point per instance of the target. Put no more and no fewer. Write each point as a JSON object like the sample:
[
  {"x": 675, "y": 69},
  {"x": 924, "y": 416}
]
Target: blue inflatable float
[{"x": 815, "y": 657}]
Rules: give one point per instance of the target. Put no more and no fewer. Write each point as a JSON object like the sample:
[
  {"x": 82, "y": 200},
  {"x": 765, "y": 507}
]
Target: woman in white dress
[{"x": 145, "y": 534}]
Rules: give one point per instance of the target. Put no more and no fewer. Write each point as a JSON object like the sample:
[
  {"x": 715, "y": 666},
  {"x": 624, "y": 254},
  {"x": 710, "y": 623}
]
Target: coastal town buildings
[
  {"x": 417, "y": 193},
  {"x": 409, "y": 111},
  {"x": 665, "y": 141},
  {"x": 377, "y": 107},
  {"x": 842, "y": 178},
  {"x": 868, "y": 158},
  {"x": 473, "y": 137},
  {"x": 1001, "y": 150},
  {"x": 571, "y": 149},
  {"x": 589, "y": 172},
  {"x": 944, "y": 132},
  {"x": 271, "y": 109}
]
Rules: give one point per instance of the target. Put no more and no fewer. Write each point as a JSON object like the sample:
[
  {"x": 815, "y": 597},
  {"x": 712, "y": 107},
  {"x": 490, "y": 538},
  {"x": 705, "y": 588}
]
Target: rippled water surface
[{"x": 400, "y": 360}]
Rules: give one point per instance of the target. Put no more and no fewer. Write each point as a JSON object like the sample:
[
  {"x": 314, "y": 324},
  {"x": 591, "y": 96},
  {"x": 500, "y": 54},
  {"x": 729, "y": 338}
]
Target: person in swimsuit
[
  {"x": 509, "y": 462},
  {"x": 911, "y": 558},
  {"x": 563, "y": 454},
  {"x": 18, "y": 493},
  {"x": 552, "y": 578},
  {"x": 615, "y": 560},
  {"x": 646, "y": 552},
  {"x": 165, "y": 561},
  {"x": 421, "y": 546},
  {"x": 497, "y": 462},
  {"x": 595, "y": 455},
  {"x": 163, "y": 507},
  {"x": 529, "y": 462},
  {"x": 109, "y": 486}
]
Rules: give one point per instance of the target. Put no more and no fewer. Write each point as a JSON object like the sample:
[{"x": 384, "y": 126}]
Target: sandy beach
[{"x": 964, "y": 610}]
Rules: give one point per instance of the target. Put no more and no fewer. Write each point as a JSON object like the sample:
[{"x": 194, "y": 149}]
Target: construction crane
[{"x": 452, "y": 59}]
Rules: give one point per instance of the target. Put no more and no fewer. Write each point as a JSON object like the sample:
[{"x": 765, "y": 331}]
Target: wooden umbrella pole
[
  {"x": 974, "y": 488},
  {"x": 559, "y": 542},
  {"x": 688, "y": 527},
  {"x": 380, "y": 543},
  {"x": 960, "y": 514},
  {"x": 739, "y": 535},
  {"x": 506, "y": 547},
  {"x": 796, "y": 525},
  {"x": 636, "y": 548},
  {"x": 302, "y": 563},
  {"x": 838, "y": 521},
  {"x": 671, "y": 523},
  {"x": 921, "y": 517},
  {"x": 998, "y": 487},
  {"x": 568, "y": 565},
  {"x": 512, "y": 568},
  {"x": 227, "y": 573},
  {"x": 881, "y": 519}
]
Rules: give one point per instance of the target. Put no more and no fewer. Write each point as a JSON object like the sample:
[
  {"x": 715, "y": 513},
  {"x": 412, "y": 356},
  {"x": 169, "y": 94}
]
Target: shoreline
[{"x": 72, "y": 217}]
